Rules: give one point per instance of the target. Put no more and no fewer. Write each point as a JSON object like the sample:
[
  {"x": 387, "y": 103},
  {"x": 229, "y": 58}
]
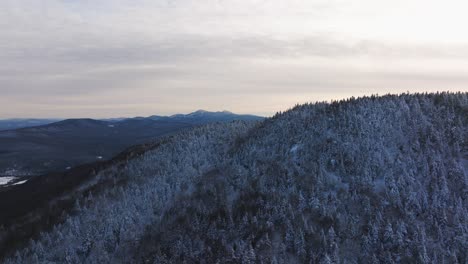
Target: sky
[{"x": 121, "y": 58}]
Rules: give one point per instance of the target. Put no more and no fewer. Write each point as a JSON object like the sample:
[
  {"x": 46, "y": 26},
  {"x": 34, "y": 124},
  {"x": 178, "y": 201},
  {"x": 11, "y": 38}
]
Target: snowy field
[{"x": 5, "y": 180}]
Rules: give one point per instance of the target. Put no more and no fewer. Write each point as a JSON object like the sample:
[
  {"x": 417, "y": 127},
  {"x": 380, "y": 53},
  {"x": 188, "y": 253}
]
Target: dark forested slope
[
  {"x": 368, "y": 180},
  {"x": 54, "y": 147},
  {"x": 10, "y": 124}
]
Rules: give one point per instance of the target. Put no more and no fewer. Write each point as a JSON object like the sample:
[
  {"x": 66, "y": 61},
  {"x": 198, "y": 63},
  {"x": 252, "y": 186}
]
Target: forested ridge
[{"x": 379, "y": 179}]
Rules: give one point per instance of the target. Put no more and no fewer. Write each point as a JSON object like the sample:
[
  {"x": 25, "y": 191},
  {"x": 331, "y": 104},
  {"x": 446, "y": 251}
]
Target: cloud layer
[{"x": 77, "y": 58}]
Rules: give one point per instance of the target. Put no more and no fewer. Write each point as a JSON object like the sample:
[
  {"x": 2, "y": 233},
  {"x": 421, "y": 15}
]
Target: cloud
[{"x": 139, "y": 57}]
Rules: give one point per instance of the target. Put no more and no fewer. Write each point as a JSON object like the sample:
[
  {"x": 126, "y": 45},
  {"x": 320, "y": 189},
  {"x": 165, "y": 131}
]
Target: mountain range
[
  {"x": 61, "y": 145},
  {"x": 11, "y": 124}
]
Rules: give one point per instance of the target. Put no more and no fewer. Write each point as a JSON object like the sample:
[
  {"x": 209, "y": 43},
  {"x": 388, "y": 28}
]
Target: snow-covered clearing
[
  {"x": 20, "y": 182},
  {"x": 5, "y": 180}
]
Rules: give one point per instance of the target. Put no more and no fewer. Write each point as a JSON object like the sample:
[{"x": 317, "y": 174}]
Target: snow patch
[
  {"x": 20, "y": 182},
  {"x": 294, "y": 148},
  {"x": 6, "y": 180}
]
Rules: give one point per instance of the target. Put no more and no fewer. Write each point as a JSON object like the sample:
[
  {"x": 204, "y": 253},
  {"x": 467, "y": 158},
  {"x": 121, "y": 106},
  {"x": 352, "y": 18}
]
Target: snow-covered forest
[{"x": 367, "y": 180}]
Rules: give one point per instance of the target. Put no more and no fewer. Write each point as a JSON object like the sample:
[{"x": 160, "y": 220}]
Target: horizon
[
  {"x": 225, "y": 110},
  {"x": 115, "y": 58},
  {"x": 129, "y": 117}
]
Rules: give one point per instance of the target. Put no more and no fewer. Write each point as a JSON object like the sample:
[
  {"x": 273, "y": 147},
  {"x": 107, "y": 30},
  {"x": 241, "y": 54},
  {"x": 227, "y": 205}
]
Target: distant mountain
[
  {"x": 197, "y": 117},
  {"x": 366, "y": 180},
  {"x": 11, "y": 124},
  {"x": 67, "y": 143},
  {"x": 202, "y": 116}
]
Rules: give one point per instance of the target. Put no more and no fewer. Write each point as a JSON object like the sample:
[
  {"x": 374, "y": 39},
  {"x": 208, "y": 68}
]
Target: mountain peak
[
  {"x": 204, "y": 112},
  {"x": 200, "y": 111}
]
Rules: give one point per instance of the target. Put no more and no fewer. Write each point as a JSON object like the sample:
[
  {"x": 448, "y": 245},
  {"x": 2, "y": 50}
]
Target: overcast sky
[{"x": 112, "y": 58}]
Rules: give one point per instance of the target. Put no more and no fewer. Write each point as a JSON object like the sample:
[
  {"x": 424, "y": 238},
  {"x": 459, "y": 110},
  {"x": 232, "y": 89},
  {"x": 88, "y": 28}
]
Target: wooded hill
[{"x": 366, "y": 180}]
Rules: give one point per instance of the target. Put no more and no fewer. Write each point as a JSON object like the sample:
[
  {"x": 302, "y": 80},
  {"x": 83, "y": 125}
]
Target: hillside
[
  {"x": 68, "y": 143},
  {"x": 11, "y": 124},
  {"x": 367, "y": 180}
]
